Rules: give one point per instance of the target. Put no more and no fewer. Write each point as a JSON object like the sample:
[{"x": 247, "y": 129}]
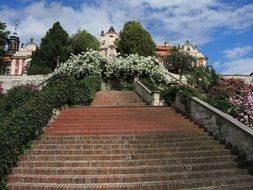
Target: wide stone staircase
[{"x": 127, "y": 148}]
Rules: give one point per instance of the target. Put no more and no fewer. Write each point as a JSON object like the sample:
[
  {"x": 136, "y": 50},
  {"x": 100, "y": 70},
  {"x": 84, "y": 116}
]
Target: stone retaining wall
[
  {"x": 221, "y": 125},
  {"x": 11, "y": 81},
  {"x": 247, "y": 78}
]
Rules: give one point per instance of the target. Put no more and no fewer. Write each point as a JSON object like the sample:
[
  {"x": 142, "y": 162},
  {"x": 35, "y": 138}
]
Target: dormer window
[{"x": 111, "y": 36}]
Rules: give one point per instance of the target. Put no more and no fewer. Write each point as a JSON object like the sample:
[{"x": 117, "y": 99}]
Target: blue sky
[{"x": 222, "y": 30}]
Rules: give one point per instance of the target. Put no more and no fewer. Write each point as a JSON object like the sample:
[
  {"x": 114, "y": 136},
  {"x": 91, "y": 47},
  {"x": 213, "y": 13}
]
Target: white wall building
[
  {"x": 21, "y": 59},
  {"x": 107, "y": 43},
  {"x": 193, "y": 51}
]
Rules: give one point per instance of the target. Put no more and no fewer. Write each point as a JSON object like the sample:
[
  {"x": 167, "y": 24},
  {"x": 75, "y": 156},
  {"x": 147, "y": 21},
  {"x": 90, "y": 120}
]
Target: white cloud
[
  {"x": 238, "y": 52},
  {"x": 240, "y": 66},
  {"x": 169, "y": 20}
]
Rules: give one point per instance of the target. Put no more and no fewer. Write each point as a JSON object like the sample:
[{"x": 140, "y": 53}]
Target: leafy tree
[
  {"x": 82, "y": 41},
  {"x": 202, "y": 78},
  {"x": 179, "y": 61},
  {"x": 53, "y": 49},
  {"x": 3, "y": 41},
  {"x": 134, "y": 39}
]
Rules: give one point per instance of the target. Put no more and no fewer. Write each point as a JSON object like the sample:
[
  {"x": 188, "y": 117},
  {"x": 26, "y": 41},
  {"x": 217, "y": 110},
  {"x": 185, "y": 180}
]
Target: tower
[{"x": 13, "y": 44}]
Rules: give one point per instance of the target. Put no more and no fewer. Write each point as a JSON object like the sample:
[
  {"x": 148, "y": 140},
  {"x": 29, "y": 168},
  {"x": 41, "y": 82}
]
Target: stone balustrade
[
  {"x": 10, "y": 81},
  {"x": 224, "y": 127},
  {"x": 150, "y": 97}
]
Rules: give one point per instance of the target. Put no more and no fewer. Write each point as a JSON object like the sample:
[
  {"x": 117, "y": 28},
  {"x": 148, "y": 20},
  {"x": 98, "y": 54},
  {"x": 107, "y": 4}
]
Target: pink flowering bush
[
  {"x": 238, "y": 95},
  {"x": 1, "y": 88},
  {"x": 226, "y": 88},
  {"x": 243, "y": 107},
  {"x": 1, "y": 91}
]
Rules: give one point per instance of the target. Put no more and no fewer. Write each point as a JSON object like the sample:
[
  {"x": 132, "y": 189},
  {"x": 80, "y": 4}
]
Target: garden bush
[
  {"x": 123, "y": 69},
  {"x": 15, "y": 98},
  {"x": 169, "y": 94},
  {"x": 242, "y": 108},
  {"x": 1, "y": 88},
  {"x": 150, "y": 85},
  {"x": 26, "y": 123},
  {"x": 202, "y": 78},
  {"x": 227, "y": 88},
  {"x": 1, "y": 92}
]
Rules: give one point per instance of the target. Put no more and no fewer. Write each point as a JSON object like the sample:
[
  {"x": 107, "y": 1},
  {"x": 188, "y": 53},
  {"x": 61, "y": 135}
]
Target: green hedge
[
  {"x": 26, "y": 123},
  {"x": 15, "y": 98}
]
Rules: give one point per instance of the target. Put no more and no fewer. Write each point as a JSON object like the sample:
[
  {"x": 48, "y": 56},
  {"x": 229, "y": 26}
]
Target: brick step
[
  {"x": 244, "y": 186},
  {"x": 123, "y": 123},
  {"x": 172, "y": 141},
  {"x": 128, "y": 163},
  {"x": 118, "y": 110},
  {"x": 99, "y": 150},
  {"x": 114, "y": 117},
  {"x": 171, "y": 134},
  {"x": 110, "y": 177},
  {"x": 117, "y": 170},
  {"x": 109, "y": 131},
  {"x": 94, "y": 126},
  {"x": 157, "y": 185},
  {"x": 83, "y": 146},
  {"x": 132, "y": 156}
]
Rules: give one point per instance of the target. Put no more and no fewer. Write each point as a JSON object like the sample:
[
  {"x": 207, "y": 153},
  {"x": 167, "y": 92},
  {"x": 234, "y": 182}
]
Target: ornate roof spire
[
  {"x": 111, "y": 29},
  {"x": 16, "y": 27}
]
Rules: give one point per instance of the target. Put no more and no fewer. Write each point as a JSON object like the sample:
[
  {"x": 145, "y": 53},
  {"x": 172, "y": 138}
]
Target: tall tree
[
  {"x": 53, "y": 49},
  {"x": 134, "y": 39},
  {"x": 82, "y": 41},
  {"x": 179, "y": 61},
  {"x": 3, "y": 42}
]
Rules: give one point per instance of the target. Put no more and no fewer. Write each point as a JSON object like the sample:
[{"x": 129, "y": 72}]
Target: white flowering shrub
[
  {"x": 92, "y": 63},
  {"x": 88, "y": 63}
]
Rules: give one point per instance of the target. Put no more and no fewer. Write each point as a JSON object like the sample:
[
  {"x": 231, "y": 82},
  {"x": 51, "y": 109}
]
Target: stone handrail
[
  {"x": 171, "y": 77},
  {"x": 150, "y": 97},
  {"x": 221, "y": 125}
]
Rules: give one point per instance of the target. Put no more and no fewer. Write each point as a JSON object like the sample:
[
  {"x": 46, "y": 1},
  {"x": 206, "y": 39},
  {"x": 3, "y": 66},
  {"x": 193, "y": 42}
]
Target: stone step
[
  {"x": 130, "y": 156},
  {"x": 157, "y": 185},
  {"x": 98, "y": 150},
  {"x": 128, "y": 163},
  {"x": 132, "y": 176},
  {"x": 121, "y": 170}
]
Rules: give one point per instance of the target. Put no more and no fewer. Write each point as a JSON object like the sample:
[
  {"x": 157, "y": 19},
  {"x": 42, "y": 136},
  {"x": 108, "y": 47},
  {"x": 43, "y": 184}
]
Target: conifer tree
[
  {"x": 53, "y": 50},
  {"x": 134, "y": 39},
  {"x": 3, "y": 42},
  {"x": 83, "y": 41}
]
